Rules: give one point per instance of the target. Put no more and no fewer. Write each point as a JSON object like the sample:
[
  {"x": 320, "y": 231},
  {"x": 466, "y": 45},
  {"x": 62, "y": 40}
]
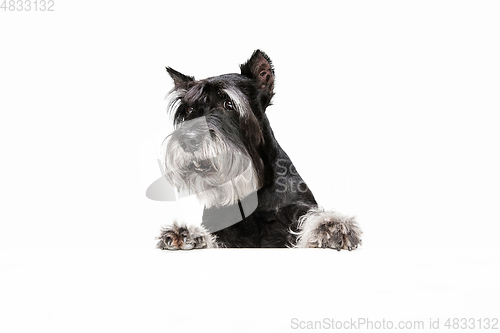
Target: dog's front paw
[
  {"x": 182, "y": 237},
  {"x": 328, "y": 230}
]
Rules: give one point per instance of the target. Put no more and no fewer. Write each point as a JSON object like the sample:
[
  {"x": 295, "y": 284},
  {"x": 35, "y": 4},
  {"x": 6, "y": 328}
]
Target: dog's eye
[
  {"x": 189, "y": 111},
  {"x": 228, "y": 105}
]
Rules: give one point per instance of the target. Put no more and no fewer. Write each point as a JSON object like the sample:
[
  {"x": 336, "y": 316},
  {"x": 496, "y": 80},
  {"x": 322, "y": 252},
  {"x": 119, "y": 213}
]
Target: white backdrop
[{"x": 388, "y": 109}]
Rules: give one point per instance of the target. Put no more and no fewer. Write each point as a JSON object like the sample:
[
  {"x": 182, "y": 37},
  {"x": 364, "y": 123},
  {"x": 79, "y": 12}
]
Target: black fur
[{"x": 283, "y": 196}]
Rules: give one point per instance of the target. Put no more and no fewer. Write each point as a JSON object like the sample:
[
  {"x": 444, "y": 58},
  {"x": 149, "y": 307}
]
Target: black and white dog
[{"x": 224, "y": 151}]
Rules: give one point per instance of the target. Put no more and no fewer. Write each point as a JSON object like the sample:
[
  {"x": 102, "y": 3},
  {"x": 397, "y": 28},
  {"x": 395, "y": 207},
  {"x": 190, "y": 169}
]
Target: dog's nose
[{"x": 190, "y": 142}]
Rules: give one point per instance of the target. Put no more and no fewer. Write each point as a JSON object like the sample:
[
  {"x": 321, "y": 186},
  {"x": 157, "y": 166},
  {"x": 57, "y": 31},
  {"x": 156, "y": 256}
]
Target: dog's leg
[
  {"x": 183, "y": 237},
  {"x": 327, "y": 229}
]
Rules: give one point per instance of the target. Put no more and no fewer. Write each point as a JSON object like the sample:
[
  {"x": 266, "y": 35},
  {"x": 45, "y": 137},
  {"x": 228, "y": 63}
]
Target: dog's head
[{"x": 214, "y": 150}]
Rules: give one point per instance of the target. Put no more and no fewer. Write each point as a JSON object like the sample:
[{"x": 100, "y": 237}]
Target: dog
[{"x": 223, "y": 150}]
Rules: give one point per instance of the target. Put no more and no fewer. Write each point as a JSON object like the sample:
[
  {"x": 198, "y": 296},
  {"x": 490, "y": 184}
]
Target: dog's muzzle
[{"x": 190, "y": 140}]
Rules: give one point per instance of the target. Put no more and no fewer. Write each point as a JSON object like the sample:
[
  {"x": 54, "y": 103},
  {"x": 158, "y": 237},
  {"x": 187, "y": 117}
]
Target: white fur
[
  {"x": 239, "y": 100},
  {"x": 174, "y": 100},
  {"x": 312, "y": 221},
  {"x": 234, "y": 179}
]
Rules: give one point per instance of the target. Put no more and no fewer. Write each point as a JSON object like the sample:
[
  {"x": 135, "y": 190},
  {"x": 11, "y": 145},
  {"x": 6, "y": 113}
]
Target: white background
[{"x": 388, "y": 110}]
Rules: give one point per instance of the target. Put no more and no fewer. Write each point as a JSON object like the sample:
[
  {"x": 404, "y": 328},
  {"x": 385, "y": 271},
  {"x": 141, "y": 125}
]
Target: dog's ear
[
  {"x": 180, "y": 80},
  {"x": 260, "y": 68}
]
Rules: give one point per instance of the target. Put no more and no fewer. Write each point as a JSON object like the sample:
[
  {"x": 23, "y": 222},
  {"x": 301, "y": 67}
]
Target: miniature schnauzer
[{"x": 223, "y": 150}]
